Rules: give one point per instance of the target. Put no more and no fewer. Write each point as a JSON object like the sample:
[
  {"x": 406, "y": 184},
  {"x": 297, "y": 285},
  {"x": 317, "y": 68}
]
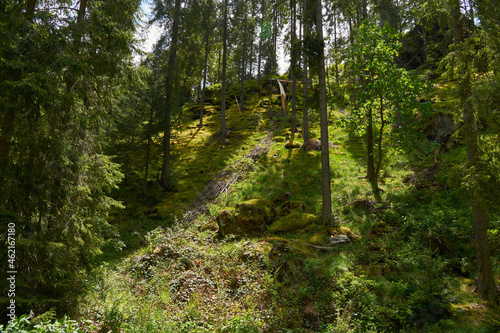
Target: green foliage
[
  {"x": 58, "y": 79},
  {"x": 391, "y": 92},
  {"x": 23, "y": 324},
  {"x": 354, "y": 296},
  {"x": 240, "y": 325}
]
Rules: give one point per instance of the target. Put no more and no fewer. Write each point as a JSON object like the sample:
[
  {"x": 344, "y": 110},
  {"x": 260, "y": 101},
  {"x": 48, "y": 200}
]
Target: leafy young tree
[{"x": 386, "y": 93}]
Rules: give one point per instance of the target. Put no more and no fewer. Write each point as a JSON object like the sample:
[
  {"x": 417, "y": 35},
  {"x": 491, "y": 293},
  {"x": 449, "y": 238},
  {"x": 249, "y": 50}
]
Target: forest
[{"x": 269, "y": 166}]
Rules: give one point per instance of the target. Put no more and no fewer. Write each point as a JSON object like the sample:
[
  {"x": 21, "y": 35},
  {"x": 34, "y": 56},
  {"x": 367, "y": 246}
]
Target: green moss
[
  {"x": 322, "y": 239},
  {"x": 256, "y": 209},
  {"x": 293, "y": 221}
]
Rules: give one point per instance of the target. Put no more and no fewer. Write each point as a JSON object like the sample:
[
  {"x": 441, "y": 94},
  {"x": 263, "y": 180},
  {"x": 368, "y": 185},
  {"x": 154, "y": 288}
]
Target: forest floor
[{"x": 409, "y": 265}]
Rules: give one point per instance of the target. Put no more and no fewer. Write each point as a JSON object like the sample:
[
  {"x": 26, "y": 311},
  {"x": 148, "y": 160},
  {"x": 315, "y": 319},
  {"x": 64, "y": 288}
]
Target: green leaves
[{"x": 381, "y": 85}]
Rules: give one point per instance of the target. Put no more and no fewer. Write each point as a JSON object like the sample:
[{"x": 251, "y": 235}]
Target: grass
[{"x": 404, "y": 273}]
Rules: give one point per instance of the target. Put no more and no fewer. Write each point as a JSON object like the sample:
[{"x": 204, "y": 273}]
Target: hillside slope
[{"x": 181, "y": 271}]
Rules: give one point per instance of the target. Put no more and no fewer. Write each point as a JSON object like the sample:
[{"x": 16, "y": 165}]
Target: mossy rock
[
  {"x": 282, "y": 197},
  {"x": 282, "y": 246},
  {"x": 292, "y": 144},
  {"x": 257, "y": 211},
  {"x": 251, "y": 220},
  {"x": 227, "y": 224},
  {"x": 320, "y": 239},
  {"x": 290, "y": 206},
  {"x": 343, "y": 230},
  {"x": 293, "y": 221}
]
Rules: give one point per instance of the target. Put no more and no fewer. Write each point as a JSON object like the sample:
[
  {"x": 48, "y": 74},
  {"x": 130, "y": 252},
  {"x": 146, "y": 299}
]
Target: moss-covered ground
[{"x": 409, "y": 267}]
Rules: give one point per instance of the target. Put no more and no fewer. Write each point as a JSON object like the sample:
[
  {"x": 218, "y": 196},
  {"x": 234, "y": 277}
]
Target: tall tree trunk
[
  {"x": 369, "y": 150},
  {"x": 167, "y": 126},
  {"x": 325, "y": 157},
  {"x": 275, "y": 38},
  {"x": 335, "y": 46},
  {"x": 223, "y": 130},
  {"x": 250, "y": 61},
  {"x": 219, "y": 80},
  {"x": 149, "y": 134},
  {"x": 293, "y": 61},
  {"x": 205, "y": 69},
  {"x": 305, "y": 117},
  {"x": 71, "y": 76},
  {"x": 30, "y": 9},
  {"x": 371, "y": 171},
  {"x": 486, "y": 285},
  {"x": 243, "y": 62},
  {"x": 260, "y": 42}
]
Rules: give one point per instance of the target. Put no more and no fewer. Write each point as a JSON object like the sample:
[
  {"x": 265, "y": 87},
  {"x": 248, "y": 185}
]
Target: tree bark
[
  {"x": 167, "y": 126},
  {"x": 205, "y": 69},
  {"x": 369, "y": 149},
  {"x": 325, "y": 157},
  {"x": 305, "y": 116},
  {"x": 148, "y": 135},
  {"x": 30, "y": 9},
  {"x": 223, "y": 130},
  {"x": 243, "y": 62},
  {"x": 293, "y": 60},
  {"x": 260, "y": 43}
]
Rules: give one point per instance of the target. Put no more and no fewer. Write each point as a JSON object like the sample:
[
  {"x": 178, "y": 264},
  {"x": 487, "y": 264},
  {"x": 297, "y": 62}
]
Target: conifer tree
[{"x": 59, "y": 73}]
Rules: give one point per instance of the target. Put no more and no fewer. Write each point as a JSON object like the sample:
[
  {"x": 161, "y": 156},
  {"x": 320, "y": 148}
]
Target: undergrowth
[{"x": 410, "y": 269}]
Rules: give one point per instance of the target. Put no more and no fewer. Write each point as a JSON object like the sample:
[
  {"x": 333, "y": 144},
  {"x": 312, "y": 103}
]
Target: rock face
[
  {"x": 440, "y": 128},
  {"x": 338, "y": 240},
  {"x": 311, "y": 145}
]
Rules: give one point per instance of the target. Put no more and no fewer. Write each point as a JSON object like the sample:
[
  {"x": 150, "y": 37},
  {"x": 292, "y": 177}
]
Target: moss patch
[{"x": 293, "y": 221}]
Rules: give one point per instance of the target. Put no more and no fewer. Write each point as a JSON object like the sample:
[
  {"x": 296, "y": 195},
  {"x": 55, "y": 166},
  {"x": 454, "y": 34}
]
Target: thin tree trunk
[
  {"x": 243, "y": 63},
  {"x": 275, "y": 38},
  {"x": 218, "y": 68},
  {"x": 149, "y": 133},
  {"x": 293, "y": 60},
  {"x": 371, "y": 175},
  {"x": 305, "y": 117},
  {"x": 382, "y": 120},
  {"x": 259, "y": 61},
  {"x": 250, "y": 61},
  {"x": 167, "y": 126},
  {"x": 376, "y": 190},
  {"x": 205, "y": 69},
  {"x": 325, "y": 157},
  {"x": 223, "y": 130},
  {"x": 335, "y": 47}
]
